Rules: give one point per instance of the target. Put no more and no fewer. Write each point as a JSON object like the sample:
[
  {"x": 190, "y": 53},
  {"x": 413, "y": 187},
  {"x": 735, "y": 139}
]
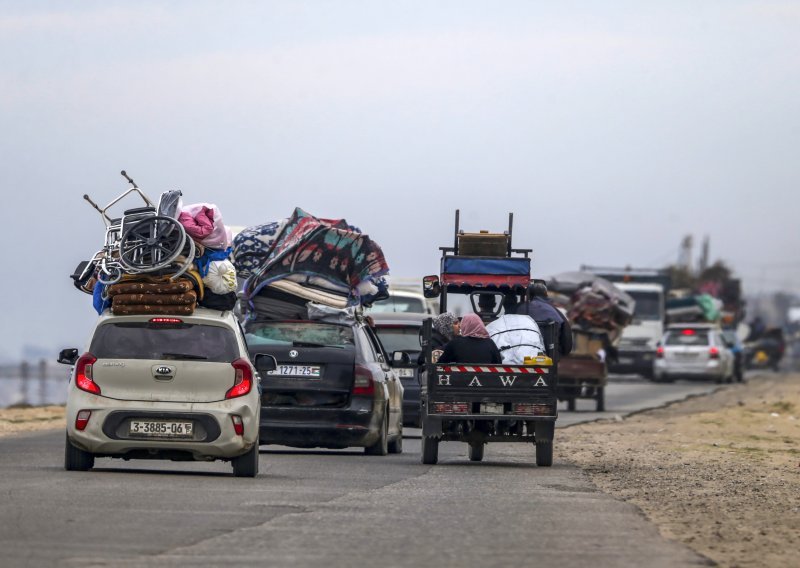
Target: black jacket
[
  {"x": 541, "y": 310},
  {"x": 438, "y": 341},
  {"x": 471, "y": 350}
]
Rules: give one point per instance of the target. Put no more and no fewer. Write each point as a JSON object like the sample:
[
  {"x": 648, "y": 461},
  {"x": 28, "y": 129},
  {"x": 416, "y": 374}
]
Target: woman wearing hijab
[
  {"x": 473, "y": 345},
  {"x": 445, "y": 328}
]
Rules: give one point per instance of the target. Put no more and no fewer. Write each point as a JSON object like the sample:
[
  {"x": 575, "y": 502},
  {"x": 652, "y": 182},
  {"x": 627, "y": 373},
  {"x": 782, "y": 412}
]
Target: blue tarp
[{"x": 475, "y": 265}]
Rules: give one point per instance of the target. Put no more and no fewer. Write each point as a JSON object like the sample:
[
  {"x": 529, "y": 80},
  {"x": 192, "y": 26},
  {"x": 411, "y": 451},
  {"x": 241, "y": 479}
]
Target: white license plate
[
  {"x": 161, "y": 429},
  {"x": 405, "y": 372},
  {"x": 491, "y": 408},
  {"x": 626, "y": 361},
  {"x": 310, "y": 371}
]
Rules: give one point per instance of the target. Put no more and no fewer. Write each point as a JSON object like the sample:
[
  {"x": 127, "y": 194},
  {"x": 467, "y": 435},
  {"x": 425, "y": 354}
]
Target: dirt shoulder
[
  {"x": 720, "y": 473},
  {"x": 30, "y": 418}
]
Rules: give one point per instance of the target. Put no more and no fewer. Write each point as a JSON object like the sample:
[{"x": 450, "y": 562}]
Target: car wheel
[
  {"x": 601, "y": 399},
  {"x": 246, "y": 465},
  {"x": 381, "y": 446},
  {"x": 544, "y": 453},
  {"x": 475, "y": 451},
  {"x": 396, "y": 445},
  {"x": 76, "y": 459},
  {"x": 571, "y": 404},
  {"x": 430, "y": 450}
]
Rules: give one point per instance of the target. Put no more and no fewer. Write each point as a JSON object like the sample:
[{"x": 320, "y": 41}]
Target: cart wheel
[
  {"x": 544, "y": 453},
  {"x": 475, "y": 451},
  {"x": 571, "y": 404},
  {"x": 151, "y": 244},
  {"x": 430, "y": 450},
  {"x": 601, "y": 399}
]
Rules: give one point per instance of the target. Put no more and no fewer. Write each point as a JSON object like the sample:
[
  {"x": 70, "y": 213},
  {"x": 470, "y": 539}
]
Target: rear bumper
[
  {"x": 711, "y": 370},
  {"x": 355, "y": 425},
  {"x": 633, "y": 361},
  {"x": 106, "y": 435}
]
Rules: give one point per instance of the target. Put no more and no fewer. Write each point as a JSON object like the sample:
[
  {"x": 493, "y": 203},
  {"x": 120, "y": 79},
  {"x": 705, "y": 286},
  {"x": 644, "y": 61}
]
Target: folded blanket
[
  {"x": 186, "y": 298},
  {"x": 148, "y": 309},
  {"x": 177, "y": 287}
]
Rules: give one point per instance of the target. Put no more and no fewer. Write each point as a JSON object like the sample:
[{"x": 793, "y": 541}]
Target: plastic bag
[
  {"x": 221, "y": 277},
  {"x": 203, "y": 222}
]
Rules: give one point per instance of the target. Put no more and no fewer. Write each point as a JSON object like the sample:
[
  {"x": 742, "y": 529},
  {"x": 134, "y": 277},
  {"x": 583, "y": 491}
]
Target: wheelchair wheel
[
  {"x": 188, "y": 263},
  {"x": 151, "y": 244},
  {"x": 108, "y": 275}
]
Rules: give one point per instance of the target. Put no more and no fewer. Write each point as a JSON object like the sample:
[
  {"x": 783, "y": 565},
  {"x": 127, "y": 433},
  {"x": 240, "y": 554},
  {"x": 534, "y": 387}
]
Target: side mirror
[
  {"x": 68, "y": 356},
  {"x": 400, "y": 358},
  {"x": 265, "y": 363},
  {"x": 431, "y": 288}
]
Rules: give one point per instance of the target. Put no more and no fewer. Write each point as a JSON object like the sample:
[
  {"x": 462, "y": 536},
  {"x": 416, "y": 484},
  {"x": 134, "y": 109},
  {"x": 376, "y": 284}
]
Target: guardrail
[{"x": 38, "y": 383}]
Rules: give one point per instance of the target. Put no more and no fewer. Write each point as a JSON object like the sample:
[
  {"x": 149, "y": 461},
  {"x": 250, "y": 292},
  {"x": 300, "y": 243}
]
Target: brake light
[
  {"x": 166, "y": 320},
  {"x": 238, "y": 425},
  {"x": 451, "y": 407},
  {"x": 532, "y": 409},
  {"x": 82, "y": 419},
  {"x": 83, "y": 374},
  {"x": 364, "y": 384},
  {"x": 688, "y": 332},
  {"x": 713, "y": 353},
  {"x": 659, "y": 352},
  {"x": 243, "y": 383}
]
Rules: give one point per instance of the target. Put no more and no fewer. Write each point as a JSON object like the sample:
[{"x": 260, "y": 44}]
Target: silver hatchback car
[
  {"x": 164, "y": 387},
  {"x": 694, "y": 351}
]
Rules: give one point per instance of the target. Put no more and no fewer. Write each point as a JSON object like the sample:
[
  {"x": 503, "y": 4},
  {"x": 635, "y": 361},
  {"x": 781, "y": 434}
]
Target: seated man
[{"x": 541, "y": 310}]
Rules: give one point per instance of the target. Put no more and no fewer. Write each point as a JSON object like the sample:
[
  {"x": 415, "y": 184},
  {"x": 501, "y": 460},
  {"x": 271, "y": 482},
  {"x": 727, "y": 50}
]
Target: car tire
[
  {"x": 544, "y": 453},
  {"x": 396, "y": 445},
  {"x": 601, "y": 399},
  {"x": 571, "y": 404},
  {"x": 76, "y": 459},
  {"x": 381, "y": 446},
  {"x": 430, "y": 450},
  {"x": 475, "y": 451},
  {"x": 246, "y": 465}
]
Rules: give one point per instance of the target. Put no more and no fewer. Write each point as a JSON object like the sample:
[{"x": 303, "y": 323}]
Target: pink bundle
[{"x": 203, "y": 222}]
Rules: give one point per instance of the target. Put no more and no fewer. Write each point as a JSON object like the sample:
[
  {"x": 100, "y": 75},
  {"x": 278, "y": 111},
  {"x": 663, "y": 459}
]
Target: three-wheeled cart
[{"x": 475, "y": 403}]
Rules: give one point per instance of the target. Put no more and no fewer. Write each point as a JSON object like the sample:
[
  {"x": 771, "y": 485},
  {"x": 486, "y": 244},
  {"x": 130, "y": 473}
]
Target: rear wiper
[
  {"x": 185, "y": 356},
  {"x": 312, "y": 344}
]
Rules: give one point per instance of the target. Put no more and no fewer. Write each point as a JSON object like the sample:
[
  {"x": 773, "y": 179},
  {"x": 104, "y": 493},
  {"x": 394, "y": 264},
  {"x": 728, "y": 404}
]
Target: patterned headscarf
[
  {"x": 443, "y": 323},
  {"x": 472, "y": 326}
]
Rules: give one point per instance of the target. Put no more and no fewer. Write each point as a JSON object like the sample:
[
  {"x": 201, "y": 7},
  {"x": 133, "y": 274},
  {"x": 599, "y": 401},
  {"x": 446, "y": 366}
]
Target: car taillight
[
  {"x": 660, "y": 353},
  {"x": 83, "y": 374},
  {"x": 243, "y": 383},
  {"x": 363, "y": 384},
  {"x": 451, "y": 407},
  {"x": 533, "y": 409},
  {"x": 166, "y": 320},
  {"x": 238, "y": 425},
  {"x": 82, "y": 419},
  {"x": 713, "y": 353}
]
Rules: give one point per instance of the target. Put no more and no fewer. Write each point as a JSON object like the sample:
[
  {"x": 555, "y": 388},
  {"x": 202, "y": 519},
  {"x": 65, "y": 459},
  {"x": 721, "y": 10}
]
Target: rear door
[
  {"x": 164, "y": 359},
  {"x": 392, "y": 379},
  {"x": 315, "y": 362},
  {"x": 687, "y": 349}
]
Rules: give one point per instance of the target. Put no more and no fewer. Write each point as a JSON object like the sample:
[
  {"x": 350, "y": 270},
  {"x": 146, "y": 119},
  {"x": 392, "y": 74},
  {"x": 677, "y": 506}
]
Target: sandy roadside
[
  {"x": 720, "y": 473},
  {"x": 27, "y": 419}
]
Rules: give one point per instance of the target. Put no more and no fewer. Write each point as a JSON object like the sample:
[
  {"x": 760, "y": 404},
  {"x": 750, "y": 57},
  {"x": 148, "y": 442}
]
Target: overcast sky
[{"x": 609, "y": 129}]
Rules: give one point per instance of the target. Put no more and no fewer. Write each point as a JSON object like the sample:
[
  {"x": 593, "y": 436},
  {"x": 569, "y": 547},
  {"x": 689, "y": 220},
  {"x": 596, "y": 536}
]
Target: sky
[{"x": 610, "y": 130}]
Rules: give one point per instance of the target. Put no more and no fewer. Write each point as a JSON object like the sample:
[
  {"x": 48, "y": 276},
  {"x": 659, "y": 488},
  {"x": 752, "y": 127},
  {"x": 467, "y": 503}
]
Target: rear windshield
[
  {"x": 299, "y": 334},
  {"x": 399, "y": 304},
  {"x": 187, "y": 341},
  {"x": 399, "y": 338},
  {"x": 687, "y": 337}
]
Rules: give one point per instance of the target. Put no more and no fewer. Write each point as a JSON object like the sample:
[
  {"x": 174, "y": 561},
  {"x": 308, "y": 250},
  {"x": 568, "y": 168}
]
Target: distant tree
[
  {"x": 681, "y": 277},
  {"x": 717, "y": 272}
]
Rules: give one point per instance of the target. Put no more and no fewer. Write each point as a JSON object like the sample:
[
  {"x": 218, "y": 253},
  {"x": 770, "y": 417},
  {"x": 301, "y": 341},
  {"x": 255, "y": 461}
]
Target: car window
[
  {"x": 176, "y": 341},
  {"x": 376, "y": 343},
  {"x": 688, "y": 337},
  {"x": 399, "y": 304},
  {"x": 367, "y": 347},
  {"x": 292, "y": 333},
  {"x": 648, "y": 305},
  {"x": 399, "y": 338}
]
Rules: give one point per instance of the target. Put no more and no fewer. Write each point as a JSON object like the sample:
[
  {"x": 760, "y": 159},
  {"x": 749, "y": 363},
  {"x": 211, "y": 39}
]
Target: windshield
[
  {"x": 399, "y": 304},
  {"x": 405, "y": 338},
  {"x": 176, "y": 341},
  {"x": 687, "y": 337},
  {"x": 299, "y": 333},
  {"x": 648, "y": 305}
]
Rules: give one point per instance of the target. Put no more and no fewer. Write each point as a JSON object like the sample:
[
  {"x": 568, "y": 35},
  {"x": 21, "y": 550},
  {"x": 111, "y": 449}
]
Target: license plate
[
  {"x": 626, "y": 360},
  {"x": 310, "y": 371},
  {"x": 405, "y": 373},
  {"x": 161, "y": 429},
  {"x": 491, "y": 408}
]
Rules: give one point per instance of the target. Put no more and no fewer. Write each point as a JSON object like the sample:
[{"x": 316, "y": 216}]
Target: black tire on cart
[
  {"x": 76, "y": 459},
  {"x": 430, "y": 450},
  {"x": 381, "y": 446},
  {"x": 571, "y": 404},
  {"x": 544, "y": 453},
  {"x": 600, "y": 396},
  {"x": 246, "y": 465},
  {"x": 475, "y": 451}
]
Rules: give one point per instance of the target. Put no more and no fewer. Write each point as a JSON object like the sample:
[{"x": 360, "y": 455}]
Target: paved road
[{"x": 323, "y": 508}]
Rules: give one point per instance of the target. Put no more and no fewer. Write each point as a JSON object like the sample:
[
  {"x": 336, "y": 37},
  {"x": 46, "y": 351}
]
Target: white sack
[
  {"x": 221, "y": 277},
  {"x": 517, "y": 337}
]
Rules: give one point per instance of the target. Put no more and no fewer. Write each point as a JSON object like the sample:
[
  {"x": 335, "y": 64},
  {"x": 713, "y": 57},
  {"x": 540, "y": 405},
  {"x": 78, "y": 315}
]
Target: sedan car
[
  {"x": 176, "y": 388},
  {"x": 332, "y": 388},
  {"x": 694, "y": 351},
  {"x": 399, "y": 333}
]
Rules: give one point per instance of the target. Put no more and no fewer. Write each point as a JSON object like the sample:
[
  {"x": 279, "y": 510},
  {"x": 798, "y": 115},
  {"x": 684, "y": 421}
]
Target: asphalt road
[{"x": 328, "y": 508}]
